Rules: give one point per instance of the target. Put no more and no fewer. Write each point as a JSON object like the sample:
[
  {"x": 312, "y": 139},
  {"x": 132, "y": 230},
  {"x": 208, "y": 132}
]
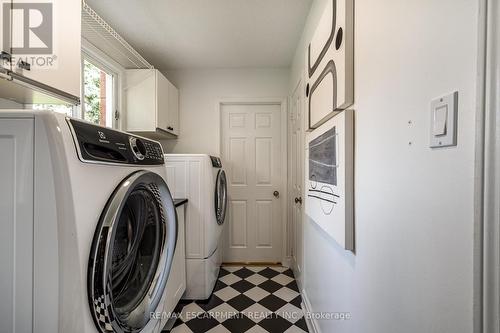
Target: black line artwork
[
  {"x": 312, "y": 69},
  {"x": 326, "y": 198},
  {"x": 329, "y": 63},
  {"x": 331, "y": 69},
  {"x": 329, "y": 82},
  {"x": 323, "y": 169},
  {"x": 320, "y": 198},
  {"x": 323, "y": 192},
  {"x": 323, "y": 158}
]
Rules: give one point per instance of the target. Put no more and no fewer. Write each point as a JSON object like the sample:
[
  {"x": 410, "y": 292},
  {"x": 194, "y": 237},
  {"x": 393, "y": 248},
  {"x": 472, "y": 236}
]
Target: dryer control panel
[{"x": 97, "y": 144}]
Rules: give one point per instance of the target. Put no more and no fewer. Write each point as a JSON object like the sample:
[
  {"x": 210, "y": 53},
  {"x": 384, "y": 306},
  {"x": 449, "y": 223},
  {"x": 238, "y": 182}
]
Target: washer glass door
[
  {"x": 220, "y": 197},
  {"x": 132, "y": 254}
]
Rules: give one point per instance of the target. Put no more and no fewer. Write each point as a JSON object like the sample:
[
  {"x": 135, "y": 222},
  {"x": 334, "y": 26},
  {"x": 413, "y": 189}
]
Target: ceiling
[{"x": 179, "y": 34}]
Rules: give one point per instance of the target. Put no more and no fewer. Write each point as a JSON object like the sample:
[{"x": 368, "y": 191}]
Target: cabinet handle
[
  {"x": 170, "y": 128},
  {"x": 24, "y": 65}
]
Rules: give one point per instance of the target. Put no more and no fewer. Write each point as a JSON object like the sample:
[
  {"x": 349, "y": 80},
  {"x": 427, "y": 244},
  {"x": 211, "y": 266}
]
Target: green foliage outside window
[{"x": 92, "y": 86}]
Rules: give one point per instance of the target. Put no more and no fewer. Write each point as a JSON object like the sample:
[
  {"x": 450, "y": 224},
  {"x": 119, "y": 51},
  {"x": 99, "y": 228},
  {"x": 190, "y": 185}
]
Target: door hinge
[{"x": 117, "y": 115}]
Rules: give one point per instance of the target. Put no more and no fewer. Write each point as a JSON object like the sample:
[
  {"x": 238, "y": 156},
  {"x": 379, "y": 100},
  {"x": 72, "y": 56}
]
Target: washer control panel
[{"x": 97, "y": 144}]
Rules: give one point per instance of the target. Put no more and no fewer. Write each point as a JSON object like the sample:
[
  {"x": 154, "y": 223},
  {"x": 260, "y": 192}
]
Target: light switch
[
  {"x": 440, "y": 118},
  {"x": 444, "y": 112}
]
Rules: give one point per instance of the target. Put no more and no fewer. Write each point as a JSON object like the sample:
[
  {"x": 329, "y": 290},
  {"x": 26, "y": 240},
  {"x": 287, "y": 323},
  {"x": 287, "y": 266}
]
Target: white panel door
[
  {"x": 16, "y": 224},
  {"x": 251, "y": 152},
  {"x": 296, "y": 180}
]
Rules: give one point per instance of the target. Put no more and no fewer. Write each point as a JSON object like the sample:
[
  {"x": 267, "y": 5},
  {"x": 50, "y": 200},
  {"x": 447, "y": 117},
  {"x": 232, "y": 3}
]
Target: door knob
[
  {"x": 276, "y": 194},
  {"x": 298, "y": 200}
]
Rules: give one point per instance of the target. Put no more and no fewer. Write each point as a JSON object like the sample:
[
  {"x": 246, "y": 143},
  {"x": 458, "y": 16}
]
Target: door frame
[
  {"x": 486, "y": 298},
  {"x": 298, "y": 87},
  {"x": 283, "y": 103}
]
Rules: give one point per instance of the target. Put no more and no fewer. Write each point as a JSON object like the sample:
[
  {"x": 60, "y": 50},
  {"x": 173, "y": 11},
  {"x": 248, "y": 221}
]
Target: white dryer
[
  {"x": 88, "y": 227},
  {"x": 201, "y": 179}
]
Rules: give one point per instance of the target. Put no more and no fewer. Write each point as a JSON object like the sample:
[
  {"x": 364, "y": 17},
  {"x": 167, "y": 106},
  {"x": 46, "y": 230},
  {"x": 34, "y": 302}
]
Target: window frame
[{"x": 98, "y": 58}]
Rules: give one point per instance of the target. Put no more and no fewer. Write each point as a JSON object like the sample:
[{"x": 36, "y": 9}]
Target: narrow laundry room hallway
[
  {"x": 249, "y": 166},
  {"x": 253, "y": 299}
]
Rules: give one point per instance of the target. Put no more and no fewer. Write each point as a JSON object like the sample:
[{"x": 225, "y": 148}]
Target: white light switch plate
[{"x": 443, "y": 129}]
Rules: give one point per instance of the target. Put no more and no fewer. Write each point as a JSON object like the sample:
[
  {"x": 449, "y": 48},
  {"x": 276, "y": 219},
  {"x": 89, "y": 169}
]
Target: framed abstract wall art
[
  {"x": 330, "y": 63},
  {"x": 329, "y": 182}
]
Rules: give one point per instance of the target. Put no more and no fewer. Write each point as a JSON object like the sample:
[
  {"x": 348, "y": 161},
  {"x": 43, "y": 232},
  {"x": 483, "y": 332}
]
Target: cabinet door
[
  {"x": 181, "y": 247},
  {"x": 173, "y": 108},
  {"x": 16, "y": 223},
  {"x": 162, "y": 102},
  {"x": 5, "y": 28},
  {"x": 140, "y": 100},
  {"x": 46, "y": 42},
  {"x": 176, "y": 284}
]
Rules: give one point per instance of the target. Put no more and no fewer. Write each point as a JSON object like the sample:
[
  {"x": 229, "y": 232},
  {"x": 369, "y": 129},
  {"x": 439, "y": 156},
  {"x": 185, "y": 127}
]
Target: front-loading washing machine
[
  {"x": 201, "y": 179},
  {"x": 89, "y": 227}
]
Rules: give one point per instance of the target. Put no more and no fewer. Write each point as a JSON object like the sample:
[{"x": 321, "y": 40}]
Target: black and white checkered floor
[{"x": 252, "y": 299}]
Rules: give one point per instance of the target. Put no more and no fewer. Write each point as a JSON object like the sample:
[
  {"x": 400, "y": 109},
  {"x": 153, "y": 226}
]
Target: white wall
[
  {"x": 412, "y": 271},
  {"x": 199, "y": 91}
]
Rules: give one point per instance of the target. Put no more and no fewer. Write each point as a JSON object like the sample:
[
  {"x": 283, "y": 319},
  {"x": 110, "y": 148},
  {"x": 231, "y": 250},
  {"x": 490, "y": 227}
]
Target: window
[
  {"x": 98, "y": 94},
  {"x": 101, "y": 90}
]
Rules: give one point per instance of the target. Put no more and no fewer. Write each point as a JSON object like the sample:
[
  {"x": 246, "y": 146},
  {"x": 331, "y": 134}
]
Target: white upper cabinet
[
  {"x": 152, "y": 104},
  {"x": 47, "y": 48}
]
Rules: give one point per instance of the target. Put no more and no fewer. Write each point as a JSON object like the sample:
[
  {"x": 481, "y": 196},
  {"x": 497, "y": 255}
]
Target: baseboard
[
  {"x": 287, "y": 262},
  {"x": 251, "y": 263},
  {"x": 312, "y": 324}
]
